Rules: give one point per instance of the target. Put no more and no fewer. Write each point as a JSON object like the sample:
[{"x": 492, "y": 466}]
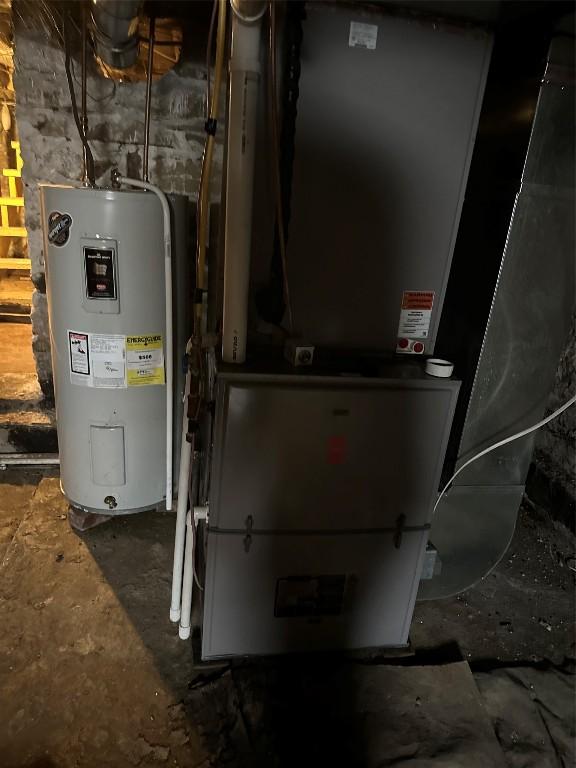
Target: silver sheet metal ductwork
[{"x": 115, "y": 31}]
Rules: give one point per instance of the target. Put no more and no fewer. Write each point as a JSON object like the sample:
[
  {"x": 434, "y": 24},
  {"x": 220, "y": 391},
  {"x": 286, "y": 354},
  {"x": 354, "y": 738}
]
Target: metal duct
[
  {"x": 115, "y": 31},
  {"x": 529, "y": 322}
]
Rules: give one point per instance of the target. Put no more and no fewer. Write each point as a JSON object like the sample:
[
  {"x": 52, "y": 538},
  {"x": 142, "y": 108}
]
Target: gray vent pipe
[{"x": 115, "y": 31}]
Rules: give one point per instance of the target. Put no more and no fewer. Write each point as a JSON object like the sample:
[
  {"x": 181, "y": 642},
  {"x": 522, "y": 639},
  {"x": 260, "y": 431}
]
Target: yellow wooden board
[
  {"x": 12, "y": 200},
  {"x": 23, "y": 264},
  {"x": 13, "y": 232}
]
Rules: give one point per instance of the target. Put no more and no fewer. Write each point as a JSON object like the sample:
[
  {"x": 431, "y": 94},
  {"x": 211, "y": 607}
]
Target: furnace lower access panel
[{"x": 322, "y": 491}]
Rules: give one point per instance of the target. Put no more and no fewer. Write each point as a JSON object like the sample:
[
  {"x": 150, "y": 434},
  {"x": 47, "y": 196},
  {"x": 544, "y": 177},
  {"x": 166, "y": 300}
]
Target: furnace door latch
[
  {"x": 399, "y": 531},
  {"x": 248, "y": 535}
]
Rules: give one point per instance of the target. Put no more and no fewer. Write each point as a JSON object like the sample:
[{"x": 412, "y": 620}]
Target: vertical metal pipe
[
  {"x": 86, "y": 171},
  {"x": 148, "y": 97}
]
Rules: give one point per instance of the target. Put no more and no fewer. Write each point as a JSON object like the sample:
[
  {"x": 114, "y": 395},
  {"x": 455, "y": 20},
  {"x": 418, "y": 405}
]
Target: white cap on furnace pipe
[{"x": 443, "y": 369}]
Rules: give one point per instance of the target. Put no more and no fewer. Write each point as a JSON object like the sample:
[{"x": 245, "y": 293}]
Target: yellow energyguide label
[{"x": 145, "y": 360}]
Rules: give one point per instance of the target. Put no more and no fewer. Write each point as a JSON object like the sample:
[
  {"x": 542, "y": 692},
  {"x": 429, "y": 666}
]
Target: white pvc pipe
[
  {"x": 188, "y": 580},
  {"x": 243, "y": 99},
  {"x": 182, "y": 506},
  {"x": 169, "y": 340},
  {"x": 185, "y": 609}
]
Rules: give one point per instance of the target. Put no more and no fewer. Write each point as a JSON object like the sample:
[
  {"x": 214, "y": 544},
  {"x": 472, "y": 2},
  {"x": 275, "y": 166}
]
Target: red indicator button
[
  {"x": 418, "y": 347},
  {"x": 403, "y": 343}
]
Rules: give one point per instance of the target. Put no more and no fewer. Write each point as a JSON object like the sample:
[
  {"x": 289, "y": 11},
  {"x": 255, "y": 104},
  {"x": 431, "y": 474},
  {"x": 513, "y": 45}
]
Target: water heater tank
[{"x": 105, "y": 281}]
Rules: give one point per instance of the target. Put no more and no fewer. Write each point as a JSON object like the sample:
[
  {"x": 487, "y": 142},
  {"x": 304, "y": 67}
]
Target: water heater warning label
[
  {"x": 108, "y": 361},
  {"x": 79, "y": 354},
  {"x": 114, "y": 361},
  {"x": 145, "y": 360}
]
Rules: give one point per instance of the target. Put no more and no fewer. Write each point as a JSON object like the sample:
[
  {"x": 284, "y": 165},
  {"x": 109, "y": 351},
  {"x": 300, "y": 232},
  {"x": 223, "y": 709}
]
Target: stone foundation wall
[{"x": 552, "y": 481}]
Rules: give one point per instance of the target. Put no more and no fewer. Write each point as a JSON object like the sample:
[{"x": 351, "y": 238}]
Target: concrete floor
[
  {"x": 91, "y": 670},
  {"x": 92, "y": 673},
  {"x": 522, "y": 611}
]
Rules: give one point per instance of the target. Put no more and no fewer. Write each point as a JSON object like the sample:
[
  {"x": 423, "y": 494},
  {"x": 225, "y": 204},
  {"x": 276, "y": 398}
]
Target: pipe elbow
[{"x": 249, "y": 11}]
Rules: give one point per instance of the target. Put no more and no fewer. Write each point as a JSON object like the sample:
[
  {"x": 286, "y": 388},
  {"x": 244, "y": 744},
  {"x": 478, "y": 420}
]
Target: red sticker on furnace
[
  {"x": 417, "y": 299},
  {"x": 336, "y": 453}
]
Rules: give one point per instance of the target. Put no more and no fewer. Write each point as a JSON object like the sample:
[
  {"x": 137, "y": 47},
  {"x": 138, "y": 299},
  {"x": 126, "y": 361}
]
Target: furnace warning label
[
  {"x": 145, "y": 360},
  {"x": 79, "y": 355},
  {"x": 415, "y": 314}
]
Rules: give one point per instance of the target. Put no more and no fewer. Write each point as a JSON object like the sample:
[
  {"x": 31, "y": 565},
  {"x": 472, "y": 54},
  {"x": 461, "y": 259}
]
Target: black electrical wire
[
  {"x": 98, "y": 99},
  {"x": 275, "y": 157},
  {"x": 67, "y": 67},
  {"x": 209, "y": 57}
]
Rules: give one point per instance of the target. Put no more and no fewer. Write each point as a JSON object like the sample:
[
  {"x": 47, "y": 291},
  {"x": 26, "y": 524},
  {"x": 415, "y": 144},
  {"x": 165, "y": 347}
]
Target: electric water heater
[{"x": 105, "y": 282}]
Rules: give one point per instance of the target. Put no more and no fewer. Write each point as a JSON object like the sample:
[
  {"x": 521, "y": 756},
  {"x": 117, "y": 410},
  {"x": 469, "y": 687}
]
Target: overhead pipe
[
  {"x": 115, "y": 31},
  {"x": 242, "y": 105},
  {"x": 169, "y": 357}
]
